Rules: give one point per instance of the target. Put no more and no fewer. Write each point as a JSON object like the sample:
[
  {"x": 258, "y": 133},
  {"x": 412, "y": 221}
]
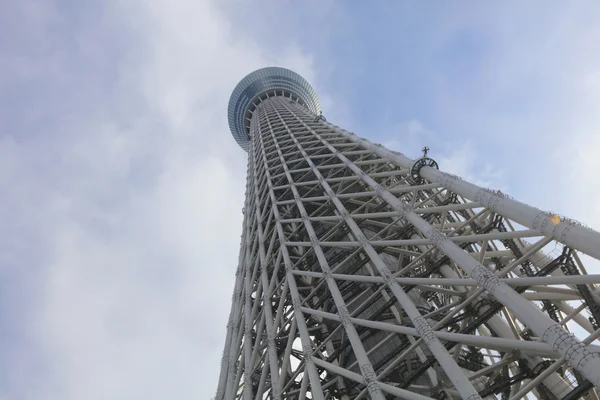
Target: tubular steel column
[{"x": 363, "y": 272}]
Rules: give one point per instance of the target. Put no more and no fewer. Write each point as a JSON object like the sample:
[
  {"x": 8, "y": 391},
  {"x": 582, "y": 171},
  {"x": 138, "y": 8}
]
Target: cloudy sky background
[{"x": 121, "y": 188}]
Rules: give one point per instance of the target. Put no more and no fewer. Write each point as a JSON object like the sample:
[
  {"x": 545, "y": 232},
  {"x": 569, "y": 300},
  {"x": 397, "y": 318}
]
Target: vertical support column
[
  {"x": 310, "y": 369},
  {"x": 233, "y": 316},
  {"x": 361, "y": 355},
  {"x": 272, "y": 351},
  {"x": 233, "y": 339},
  {"x": 247, "y": 392}
]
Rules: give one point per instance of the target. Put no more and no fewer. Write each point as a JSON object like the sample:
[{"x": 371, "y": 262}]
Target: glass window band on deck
[{"x": 258, "y": 83}]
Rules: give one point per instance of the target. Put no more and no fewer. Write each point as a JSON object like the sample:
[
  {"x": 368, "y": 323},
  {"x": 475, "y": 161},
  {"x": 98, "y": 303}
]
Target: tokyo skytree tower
[{"x": 364, "y": 273}]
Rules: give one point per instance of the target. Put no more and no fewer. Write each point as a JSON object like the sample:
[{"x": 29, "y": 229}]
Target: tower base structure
[{"x": 366, "y": 274}]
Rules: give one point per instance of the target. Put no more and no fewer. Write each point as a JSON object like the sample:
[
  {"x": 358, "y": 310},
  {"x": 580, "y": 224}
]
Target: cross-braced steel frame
[{"x": 363, "y": 273}]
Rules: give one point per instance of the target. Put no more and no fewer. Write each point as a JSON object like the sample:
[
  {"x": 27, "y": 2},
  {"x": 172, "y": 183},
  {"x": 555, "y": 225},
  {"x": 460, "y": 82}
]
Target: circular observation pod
[{"x": 260, "y": 85}]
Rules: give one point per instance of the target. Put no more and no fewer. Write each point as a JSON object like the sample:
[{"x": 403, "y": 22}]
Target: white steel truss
[{"x": 363, "y": 273}]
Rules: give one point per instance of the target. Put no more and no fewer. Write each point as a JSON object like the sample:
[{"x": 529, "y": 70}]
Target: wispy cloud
[{"x": 122, "y": 193}]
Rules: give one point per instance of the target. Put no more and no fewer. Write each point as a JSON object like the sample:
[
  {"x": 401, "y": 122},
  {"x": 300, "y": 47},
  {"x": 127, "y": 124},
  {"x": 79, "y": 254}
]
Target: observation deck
[{"x": 259, "y": 85}]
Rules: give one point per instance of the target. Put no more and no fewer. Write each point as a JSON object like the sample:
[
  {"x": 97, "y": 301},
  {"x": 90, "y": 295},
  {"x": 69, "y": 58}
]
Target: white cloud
[
  {"x": 141, "y": 312},
  {"x": 137, "y": 198},
  {"x": 464, "y": 161},
  {"x": 579, "y": 162},
  {"x": 530, "y": 101},
  {"x": 409, "y": 137}
]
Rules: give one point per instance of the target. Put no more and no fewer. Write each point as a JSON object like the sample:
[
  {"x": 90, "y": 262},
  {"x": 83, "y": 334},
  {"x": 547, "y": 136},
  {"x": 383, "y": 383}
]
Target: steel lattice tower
[{"x": 364, "y": 273}]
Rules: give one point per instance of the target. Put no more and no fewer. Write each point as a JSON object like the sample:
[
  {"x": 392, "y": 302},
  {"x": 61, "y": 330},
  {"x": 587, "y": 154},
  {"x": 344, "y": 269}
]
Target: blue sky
[{"x": 121, "y": 187}]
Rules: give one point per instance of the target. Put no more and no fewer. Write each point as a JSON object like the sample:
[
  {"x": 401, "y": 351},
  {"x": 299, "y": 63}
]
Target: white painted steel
[{"x": 354, "y": 280}]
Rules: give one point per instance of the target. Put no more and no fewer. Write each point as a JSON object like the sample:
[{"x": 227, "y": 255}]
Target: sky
[{"x": 121, "y": 187}]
